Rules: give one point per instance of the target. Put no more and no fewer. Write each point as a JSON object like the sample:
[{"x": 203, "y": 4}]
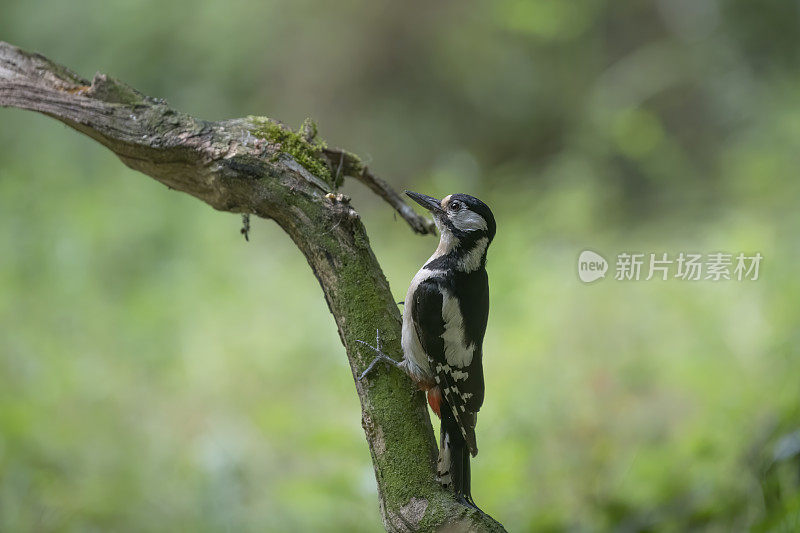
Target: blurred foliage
[{"x": 159, "y": 373}]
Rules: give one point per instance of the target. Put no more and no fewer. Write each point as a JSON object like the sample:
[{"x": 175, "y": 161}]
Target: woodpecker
[{"x": 444, "y": 321}]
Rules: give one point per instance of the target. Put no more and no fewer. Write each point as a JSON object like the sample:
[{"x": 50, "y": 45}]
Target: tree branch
[{"x": 256, "y": 165}]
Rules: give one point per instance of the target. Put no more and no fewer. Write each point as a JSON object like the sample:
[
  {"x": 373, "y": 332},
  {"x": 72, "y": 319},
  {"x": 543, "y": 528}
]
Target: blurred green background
[{"x": 159, "y": 373}]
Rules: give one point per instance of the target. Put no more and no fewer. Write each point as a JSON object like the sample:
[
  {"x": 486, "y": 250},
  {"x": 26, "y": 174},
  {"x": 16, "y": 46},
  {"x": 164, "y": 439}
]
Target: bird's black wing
[{"x": 430, "y": 325}]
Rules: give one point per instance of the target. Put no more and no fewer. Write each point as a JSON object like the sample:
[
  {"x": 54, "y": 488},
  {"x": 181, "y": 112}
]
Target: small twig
[
  {"x": 245, "y": 226},
  {"x": 352, "y": 166},
  {"x": 419, "y": 223}
]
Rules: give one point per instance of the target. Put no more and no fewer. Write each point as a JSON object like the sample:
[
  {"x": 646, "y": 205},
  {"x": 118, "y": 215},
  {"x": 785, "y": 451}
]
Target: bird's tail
[{"x": 453, "y": 466}]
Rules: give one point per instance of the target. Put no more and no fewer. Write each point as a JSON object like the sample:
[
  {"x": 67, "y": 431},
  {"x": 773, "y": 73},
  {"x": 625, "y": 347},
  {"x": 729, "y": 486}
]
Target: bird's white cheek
[{"x": 469, "y": 221}]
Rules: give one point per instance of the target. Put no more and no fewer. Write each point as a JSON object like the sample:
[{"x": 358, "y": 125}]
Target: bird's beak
[{"x": 428, "y": 202}]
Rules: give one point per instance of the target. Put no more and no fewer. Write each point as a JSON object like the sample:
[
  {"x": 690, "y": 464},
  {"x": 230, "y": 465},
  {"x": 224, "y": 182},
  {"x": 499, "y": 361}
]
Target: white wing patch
[{"x": 457, "y": 353}]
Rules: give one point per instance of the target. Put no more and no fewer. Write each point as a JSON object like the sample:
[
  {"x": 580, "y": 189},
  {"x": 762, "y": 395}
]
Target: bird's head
[{"x": 465, "y": 223}]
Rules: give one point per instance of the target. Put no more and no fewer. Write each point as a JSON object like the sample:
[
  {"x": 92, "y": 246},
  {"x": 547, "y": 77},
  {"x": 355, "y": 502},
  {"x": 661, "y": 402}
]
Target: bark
[{"x": 257, "y": 166}]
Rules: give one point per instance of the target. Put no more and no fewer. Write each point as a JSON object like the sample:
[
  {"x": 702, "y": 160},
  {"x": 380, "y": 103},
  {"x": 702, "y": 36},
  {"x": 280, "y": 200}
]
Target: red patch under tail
[{"x": 435, "y": 400}]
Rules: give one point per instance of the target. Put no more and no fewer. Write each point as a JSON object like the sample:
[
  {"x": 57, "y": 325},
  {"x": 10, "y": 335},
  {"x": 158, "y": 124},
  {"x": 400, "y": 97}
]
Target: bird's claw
[{"x": 381, "y": 356}]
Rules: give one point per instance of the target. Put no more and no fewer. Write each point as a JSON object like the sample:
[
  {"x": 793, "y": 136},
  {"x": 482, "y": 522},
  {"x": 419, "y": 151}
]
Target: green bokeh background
[{"x": 159, "y": 373}]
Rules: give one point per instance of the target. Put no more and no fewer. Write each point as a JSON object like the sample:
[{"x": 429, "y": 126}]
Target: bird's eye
[{"x": 455, "y": 206}]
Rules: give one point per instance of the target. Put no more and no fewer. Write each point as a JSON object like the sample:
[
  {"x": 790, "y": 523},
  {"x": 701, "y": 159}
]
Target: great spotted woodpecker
[{"x": 444, "y": 321}]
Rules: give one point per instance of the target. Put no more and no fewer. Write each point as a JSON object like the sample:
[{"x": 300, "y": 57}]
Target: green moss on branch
[{"x": 309, "y": 153}]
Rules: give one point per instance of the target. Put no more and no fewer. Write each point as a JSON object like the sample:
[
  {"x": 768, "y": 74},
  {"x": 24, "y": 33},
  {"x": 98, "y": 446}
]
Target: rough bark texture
[{"x": 255, "y": 165}]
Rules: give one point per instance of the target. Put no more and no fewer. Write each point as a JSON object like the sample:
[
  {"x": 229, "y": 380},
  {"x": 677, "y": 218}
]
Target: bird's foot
[{"x": 381, "y": 356}]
